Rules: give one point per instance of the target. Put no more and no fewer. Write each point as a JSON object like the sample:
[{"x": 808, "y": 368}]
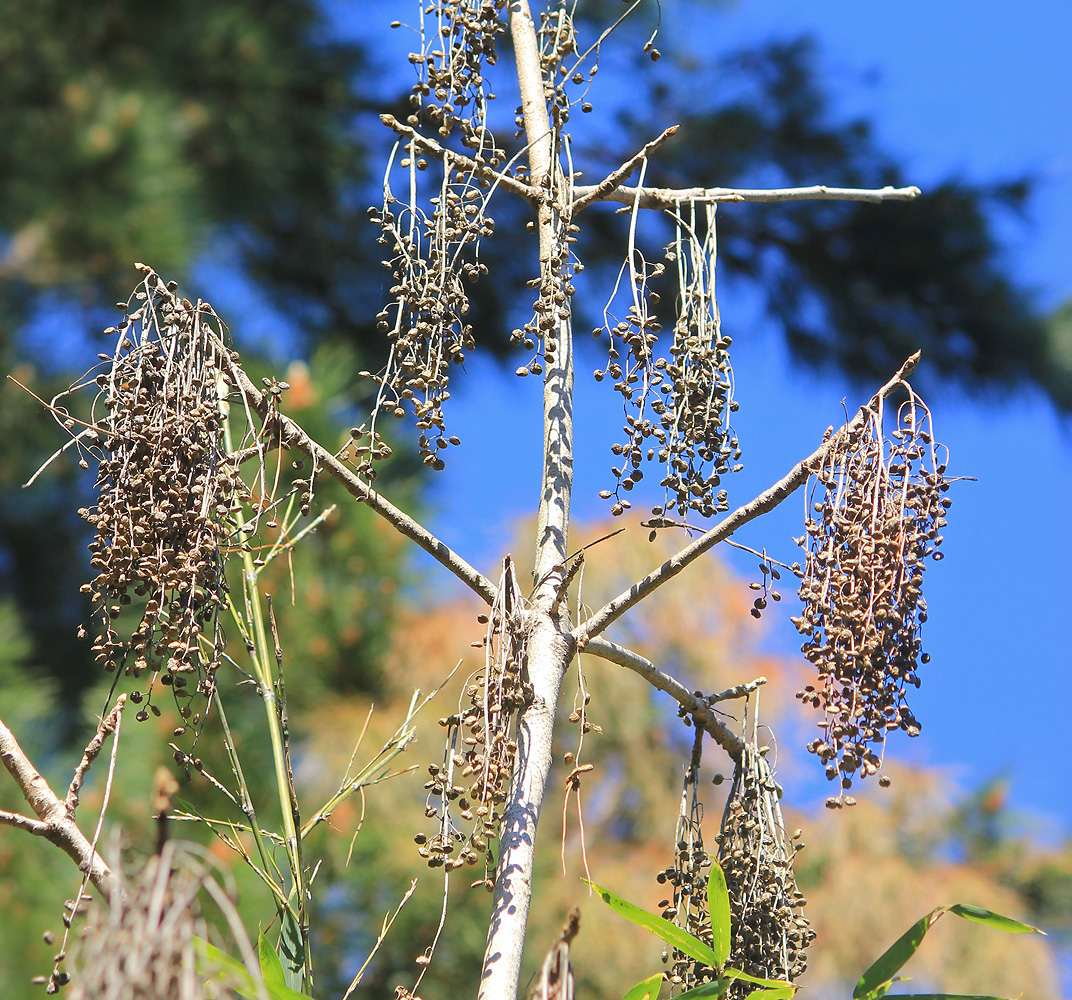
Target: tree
[{"x": 177, "y": 417}]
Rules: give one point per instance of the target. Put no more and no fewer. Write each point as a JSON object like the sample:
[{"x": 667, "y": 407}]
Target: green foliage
[{"x": 877, "y": 979}]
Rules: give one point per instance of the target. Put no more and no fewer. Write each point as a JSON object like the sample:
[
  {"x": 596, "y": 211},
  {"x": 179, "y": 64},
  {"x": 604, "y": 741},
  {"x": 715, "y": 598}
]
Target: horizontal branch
[
  {"x": 672, "y": 197},
  {"x": 766, "y": 501},
  {"x": 476, "y": 166},
  {"x": 614, "y": 180},
  {"x": 698, "y": 707},
  {"x": 293, "y": 434},
  {"x": 55, "y": 816}
]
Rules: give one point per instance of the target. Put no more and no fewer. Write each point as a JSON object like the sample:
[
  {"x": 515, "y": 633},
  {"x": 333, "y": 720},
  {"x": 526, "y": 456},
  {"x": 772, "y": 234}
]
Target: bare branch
[
  {"x": 474, "y": 166},
  {"x": 584, "y": 195},
  {"x": 56, "y": 822},
  {"x": 603, "y": 190},
  {"x": 698, "y": 707},
  {"x": 766, "y": 501},
  {"x": 107, "y": 725},
  {"x": 35, "y": 826},
  {"x": 738, "y": 690},
  {"x": 291, "y": 433}
]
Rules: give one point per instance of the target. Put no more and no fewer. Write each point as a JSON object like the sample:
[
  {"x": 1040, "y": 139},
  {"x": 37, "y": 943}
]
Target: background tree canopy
[
  {"x": 240, "y": 132},
  {"x": 245, "y": 132}
]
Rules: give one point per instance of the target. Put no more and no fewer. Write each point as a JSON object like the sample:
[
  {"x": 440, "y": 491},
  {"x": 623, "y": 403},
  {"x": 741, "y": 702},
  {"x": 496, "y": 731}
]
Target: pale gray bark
[{"x": 55, "y": 820}]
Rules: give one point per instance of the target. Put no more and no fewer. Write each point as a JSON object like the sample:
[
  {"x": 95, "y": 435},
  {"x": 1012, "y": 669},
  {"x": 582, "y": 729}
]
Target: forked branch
[
  {"x": 55, "y": 816},
  {"x": 699, "y": 708},
  {"x": 766, "y": 501},
  {"x": 291, "y": 433}
]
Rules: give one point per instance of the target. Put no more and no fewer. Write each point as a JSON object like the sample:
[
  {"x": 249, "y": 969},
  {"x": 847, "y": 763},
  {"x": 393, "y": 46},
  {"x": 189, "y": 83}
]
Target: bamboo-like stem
[
  {"x": 766, "y": 501},
  {"x": 55, "y": 816},
  {"x": 291, "y": 433},
  {"x": 650, "y": 197},
  {"x": 549, "y": 647},
  {"x": 699, "y": 708},
  {"x": 266, "y": 689}
]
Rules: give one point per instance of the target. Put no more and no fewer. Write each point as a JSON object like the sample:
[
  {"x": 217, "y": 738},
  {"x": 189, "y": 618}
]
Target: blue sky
[{"x": 954, "y": 88}]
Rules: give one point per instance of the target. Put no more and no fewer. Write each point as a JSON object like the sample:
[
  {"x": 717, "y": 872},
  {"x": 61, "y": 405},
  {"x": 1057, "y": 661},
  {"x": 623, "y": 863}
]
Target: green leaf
[
  {"x": 291, "y": 949},
  {"x": 991, "y": 919},
  {"x": 888, "y": 964},
  {"x": 782, "y": 993},
  {"x": 774, "y": 984},
  {"x": 271, "y": 967},
  {"x": 717, "y": 988},
  {"x": 946, "y": 996},
  {"x": 718, "y": 903},
  {"x": 675, "y": 936},
  {"x": 647, "y": 990},
  {"x": 212, "y": 962}
]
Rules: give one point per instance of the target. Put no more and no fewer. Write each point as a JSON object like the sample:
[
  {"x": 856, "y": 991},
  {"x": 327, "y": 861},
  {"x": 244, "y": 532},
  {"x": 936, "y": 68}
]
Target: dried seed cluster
[
  {"x": 879, "y": 508},
  {"x": 688, "y": 908},
  {"x": 457, "y": 41},
  {"x": 434, "y": 242},
  {"x": 682, "y": 404},
  {"x": 770, "y": 932},
  {"x": 166, "y": 491},
  {"x": 551, "y": 308},
  {"x": 475, "y": 778}
]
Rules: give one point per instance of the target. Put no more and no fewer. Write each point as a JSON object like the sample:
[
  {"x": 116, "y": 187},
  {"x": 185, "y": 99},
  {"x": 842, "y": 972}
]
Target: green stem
[{"x": 266, "y": 689}]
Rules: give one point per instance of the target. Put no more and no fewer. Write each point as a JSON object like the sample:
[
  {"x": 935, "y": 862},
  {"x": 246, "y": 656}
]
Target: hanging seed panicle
[
  {"x": 879, "y": 507},
  {"x": 434, "y": 235},
  {"x": 677, "y": 408},
  {"x": 551, "y": 308},
  {"x": 472, "y": 783},
  {"x": 166, "y": 490},
  {"x": 771, "y": 935},
  {"x": 457, "y": 42},
  {"x": 561, "y": 68},
  {"x": 688, "y": 907}
]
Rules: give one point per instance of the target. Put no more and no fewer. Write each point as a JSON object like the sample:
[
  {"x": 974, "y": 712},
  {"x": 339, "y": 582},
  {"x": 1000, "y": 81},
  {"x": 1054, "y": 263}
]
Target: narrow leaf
[
  {"x": 647, "y": 990},
  {"x": 716, "y": 988},
  {"x": 271, "y": 967},
  {"x": 212, "y": 961},
  {"x": 991, "y": 919},
  {"x": 675, "y": 936},
  {"x": 291, "y": 949},
  {"x": 884, "y": 968},
  {"x": 783, "y": 993},
  {"x": 718, "y": 902},
  {"x": 775, "y": 984},
  {"x": 946, "y": 996}
]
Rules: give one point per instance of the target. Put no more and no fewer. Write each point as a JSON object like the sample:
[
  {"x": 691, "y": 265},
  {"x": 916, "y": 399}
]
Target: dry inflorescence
[
  {"x": 434, "y": 246},
  {"x": 879, "y": 508},
  {"x": 689, "y": 874},
  {"x": 144, "y": 946},
  {"x": 166, "y": 492},
  {"x": 472, "y": 783},
  {"x": 770, "y": 932},
  {"x": 677, "y": 408}
]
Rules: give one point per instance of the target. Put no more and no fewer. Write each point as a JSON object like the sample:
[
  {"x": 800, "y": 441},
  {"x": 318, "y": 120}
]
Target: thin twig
[
  {"x": 761, "y": 504},
  {"x": 387, "y": 922},
  {"x": 698, "y": 707},
  {"x": 433, "y": 148},
  {"x": 672, "y": 197},
  {"x": 55, "y": 819},
  {"x": 107, "y": 725},
  {"x": 614, "y": 180}
]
